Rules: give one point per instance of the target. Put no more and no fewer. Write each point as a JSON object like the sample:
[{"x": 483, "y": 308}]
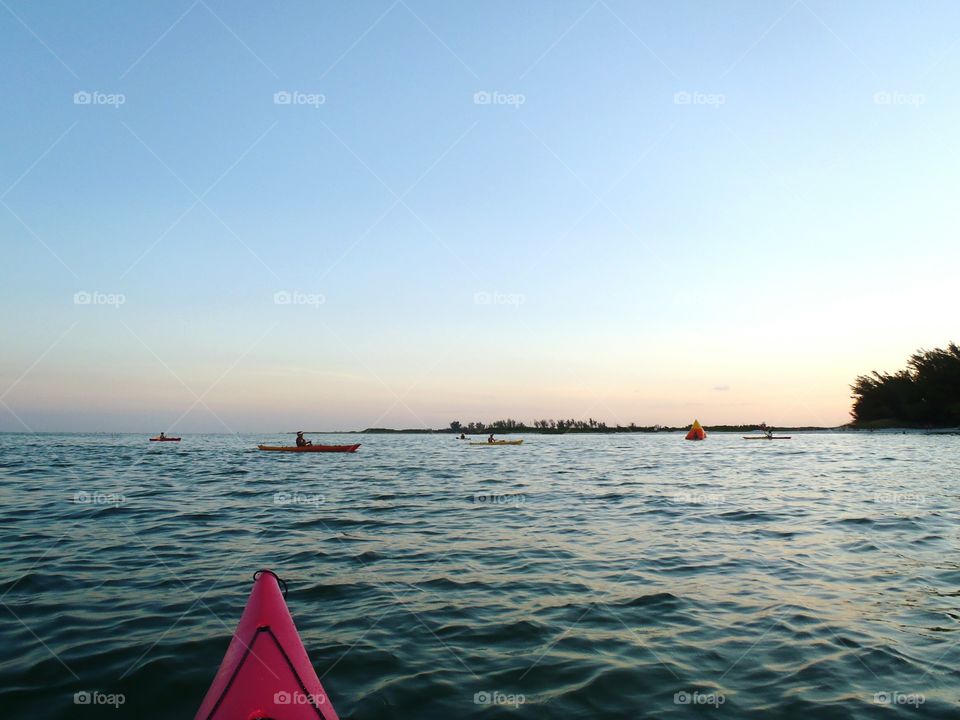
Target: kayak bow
[
  {"x": 310, "y": 448},
  {"x": 266, "y": 672}
]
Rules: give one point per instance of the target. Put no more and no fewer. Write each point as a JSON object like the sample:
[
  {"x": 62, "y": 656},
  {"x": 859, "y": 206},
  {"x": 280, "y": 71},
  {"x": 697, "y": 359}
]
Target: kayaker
[
  {"x": 301, "y": 440},
  {"x": 462, "y": 436},
  {"x": 490, "y": 439},
  {"x": 163, "y": 436}
]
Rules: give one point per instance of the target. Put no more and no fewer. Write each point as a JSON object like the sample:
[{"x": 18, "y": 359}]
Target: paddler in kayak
[
  {"x": 769, "y": 431},
  {"x": 490, "y": 439},
  {"x": 301, "y": 440},
  {"x": 163, "y": 436}
]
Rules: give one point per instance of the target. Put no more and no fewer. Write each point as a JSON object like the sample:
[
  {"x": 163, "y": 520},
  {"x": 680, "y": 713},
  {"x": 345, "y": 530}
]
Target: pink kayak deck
[{"x": 266, "y": 672}]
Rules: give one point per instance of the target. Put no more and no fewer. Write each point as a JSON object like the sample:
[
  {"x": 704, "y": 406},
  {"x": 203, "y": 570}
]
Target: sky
[{"x": 262, "y": 216}]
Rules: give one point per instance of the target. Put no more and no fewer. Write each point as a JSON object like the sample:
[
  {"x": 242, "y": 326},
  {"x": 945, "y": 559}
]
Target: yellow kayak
[{"x": 498, "y": 442}]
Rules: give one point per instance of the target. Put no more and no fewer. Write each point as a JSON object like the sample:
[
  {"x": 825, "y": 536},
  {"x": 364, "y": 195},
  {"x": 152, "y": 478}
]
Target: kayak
[
  {"x": 766, "y": 437},
  {"x": 160, "y": 439},
  {"x": 696, "y": 432},
  {"x": 498, "y": 442},
  {"x": 266, "y": 672},
  {"x": 310, "y": 448}
]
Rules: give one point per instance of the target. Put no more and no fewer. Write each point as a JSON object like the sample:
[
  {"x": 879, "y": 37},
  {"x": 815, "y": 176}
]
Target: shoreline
[{"x": 721, "y": 429}]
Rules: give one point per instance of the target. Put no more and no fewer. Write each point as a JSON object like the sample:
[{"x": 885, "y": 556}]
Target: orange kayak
[
  {"x": 696, "y": 432},
  {"x": 310, "y": 448}
]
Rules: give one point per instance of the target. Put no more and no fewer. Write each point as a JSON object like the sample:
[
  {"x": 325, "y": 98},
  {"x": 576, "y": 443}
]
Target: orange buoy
[{"x": 697, "y": 432}]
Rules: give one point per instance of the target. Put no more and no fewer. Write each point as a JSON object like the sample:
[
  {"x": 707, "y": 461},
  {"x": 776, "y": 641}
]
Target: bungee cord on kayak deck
[{"x": 290, "y": 688}]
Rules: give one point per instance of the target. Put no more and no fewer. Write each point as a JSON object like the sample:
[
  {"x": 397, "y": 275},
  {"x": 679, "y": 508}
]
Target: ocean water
[{"x": 584, "y": 576}]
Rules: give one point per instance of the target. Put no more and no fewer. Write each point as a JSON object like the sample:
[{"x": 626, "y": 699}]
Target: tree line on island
[
  {"x": 510, "y": 425},
  {"x": 924, "y": 394},
  {"x": 563, "y": 426}
]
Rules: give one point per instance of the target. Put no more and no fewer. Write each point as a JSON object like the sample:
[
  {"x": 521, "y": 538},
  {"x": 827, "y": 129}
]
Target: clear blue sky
[{"x": 587, "y": 243}]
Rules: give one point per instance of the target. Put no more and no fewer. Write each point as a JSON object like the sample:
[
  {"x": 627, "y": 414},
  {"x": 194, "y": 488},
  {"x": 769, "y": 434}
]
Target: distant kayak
[
  {"x": 164, "y": 439},
  {"x": 696, "y": 432},
  {"x": 498, "y": 442},
  {"x": 266, "y": 672},
  {"x": 767, "y": 437},
  {"x": 310, "y": 448}
]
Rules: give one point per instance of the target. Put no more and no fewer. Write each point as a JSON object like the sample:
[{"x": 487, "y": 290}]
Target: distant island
[{"x": 924, "y": 395}]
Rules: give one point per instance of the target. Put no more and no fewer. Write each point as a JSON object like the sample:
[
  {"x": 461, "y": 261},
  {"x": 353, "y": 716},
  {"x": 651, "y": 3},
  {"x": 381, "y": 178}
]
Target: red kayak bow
[{"x": 266, "y": 672}]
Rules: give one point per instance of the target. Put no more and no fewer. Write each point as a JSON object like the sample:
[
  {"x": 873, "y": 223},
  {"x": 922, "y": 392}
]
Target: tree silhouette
[{"x": 927, "y": 392}]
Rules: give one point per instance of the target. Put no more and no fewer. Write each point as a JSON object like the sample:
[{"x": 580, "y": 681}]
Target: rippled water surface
[{"x": 591, "y": 576}]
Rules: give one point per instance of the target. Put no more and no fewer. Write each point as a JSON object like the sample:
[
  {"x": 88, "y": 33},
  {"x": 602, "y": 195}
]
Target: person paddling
[
  {"x": 163, "y": 436},
  {"x": 301, "y": 440},
  {"x": 490, "y": 439}
]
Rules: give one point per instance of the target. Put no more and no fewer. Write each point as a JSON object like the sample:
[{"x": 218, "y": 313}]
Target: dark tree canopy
[{"x": 926, "y": 393}]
